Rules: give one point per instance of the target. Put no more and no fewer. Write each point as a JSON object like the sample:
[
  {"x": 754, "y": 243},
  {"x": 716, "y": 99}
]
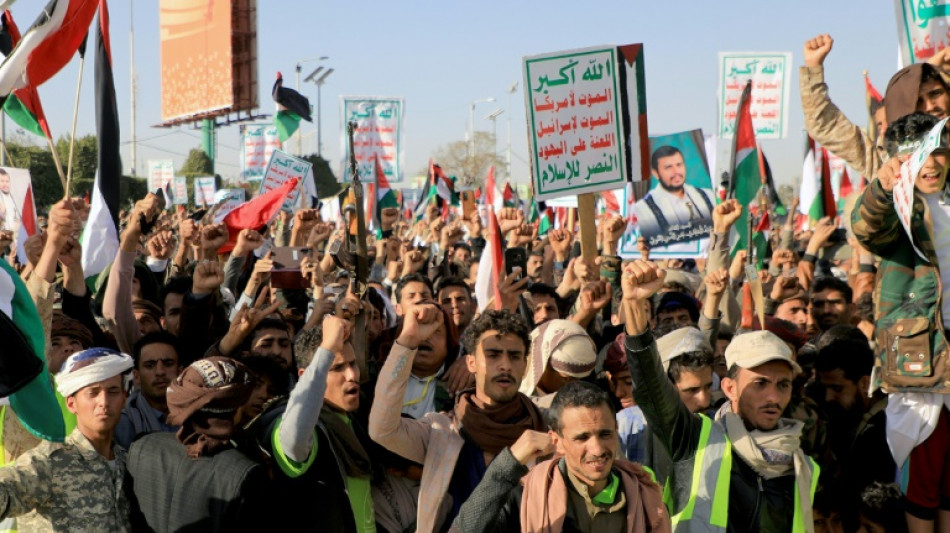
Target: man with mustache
[
  {"x": 831, "y": 303},
  {"x": 739, "y": 471},
  {"x": 156, "y": 366},
  {"x": 456, "y": 447},
  {"x": 673, "y": 201},
  {"x": 586, "y": 488}
]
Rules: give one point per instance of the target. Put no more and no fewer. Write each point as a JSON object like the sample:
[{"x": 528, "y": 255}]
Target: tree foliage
[
  {"x": 456, "y": 160},
  {"x": 197, "y": 164},
  {"x": 47, "y": 187}
]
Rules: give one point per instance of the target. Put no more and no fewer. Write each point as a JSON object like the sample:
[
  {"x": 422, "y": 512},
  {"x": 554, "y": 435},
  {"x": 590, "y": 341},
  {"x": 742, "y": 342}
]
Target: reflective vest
[
  {"x": 7, "y": 525},
  {"x": 709, "y": 485}
]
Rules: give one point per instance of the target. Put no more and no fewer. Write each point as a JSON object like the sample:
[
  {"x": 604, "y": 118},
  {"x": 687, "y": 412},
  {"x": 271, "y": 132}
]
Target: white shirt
[
  {"x": 689, "y": 209},
  {"x": 420, "y": 395},
  {"x": 11, "y": 219}
]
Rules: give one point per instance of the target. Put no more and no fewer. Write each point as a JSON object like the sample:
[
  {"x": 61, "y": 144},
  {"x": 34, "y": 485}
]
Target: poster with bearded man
[
  {"x": 676, "y": 215},
  {"x": 14, "y": 183}
]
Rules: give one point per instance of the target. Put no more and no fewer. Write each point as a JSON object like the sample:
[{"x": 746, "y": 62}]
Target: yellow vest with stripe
[{"x": 707, "y": 508}]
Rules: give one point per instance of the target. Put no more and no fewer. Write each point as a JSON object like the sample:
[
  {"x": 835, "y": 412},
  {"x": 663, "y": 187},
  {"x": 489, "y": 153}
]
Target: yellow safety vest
[{"x": 709, "y": 485}]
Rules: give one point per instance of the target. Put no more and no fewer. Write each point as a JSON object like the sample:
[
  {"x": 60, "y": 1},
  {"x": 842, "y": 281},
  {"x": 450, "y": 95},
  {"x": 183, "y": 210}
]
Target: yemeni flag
[
  {"x": 745, "y": 178},
  {"x": 873, "y": 101},
  {"x": 100, "y": 237},
  {"x": 491, "y": 265},
  {"x": 291, "y": 107},
  {"x": 23, "y": 373},
  {"x": 384, "y": 195},
  {"x": 27, "y": 225},
  {"x": 48, "y": 45},
  {"x": 23, "y": 106}
]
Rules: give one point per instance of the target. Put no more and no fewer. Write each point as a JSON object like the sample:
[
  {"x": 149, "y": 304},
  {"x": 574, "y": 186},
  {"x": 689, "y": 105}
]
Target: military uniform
[{"x": 70, "y": 485}]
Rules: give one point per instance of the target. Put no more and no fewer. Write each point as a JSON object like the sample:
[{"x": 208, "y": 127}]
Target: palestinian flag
[
  {"x": 23, "y": 373},
  {"x": 445, "y": 186},
  {"x": 428, "y": 194},
  {"x": 48, "y": 45},
  {"x": 874, "y": 101},
  {"x": 770, "y": 191},
  {"x": 100, "y": 237},
  {"x": 384, "y": 195},
  {"x": 509, "y": 197},
  {"x": 291, "y": 107},
  {"x": 845, "y": 188},
  {"x": 23, "y": 106},
  {"x": 745, "y": 177},
  {"x": 816, "y": 194}
]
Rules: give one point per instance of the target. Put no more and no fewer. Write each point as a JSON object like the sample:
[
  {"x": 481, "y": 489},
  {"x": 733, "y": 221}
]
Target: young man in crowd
[
  {"x": 455, "y": 448},
  {"x": 156, "y": 366},
  {"x": 587, "y": 488}
]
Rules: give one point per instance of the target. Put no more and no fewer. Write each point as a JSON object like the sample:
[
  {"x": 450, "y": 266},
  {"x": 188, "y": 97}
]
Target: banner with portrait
[{"x": 675, "y": 216}]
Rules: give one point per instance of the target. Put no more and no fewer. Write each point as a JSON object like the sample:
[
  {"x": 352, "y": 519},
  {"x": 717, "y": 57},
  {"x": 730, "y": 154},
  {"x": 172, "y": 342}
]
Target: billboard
[{"x": 208, "y": 58}]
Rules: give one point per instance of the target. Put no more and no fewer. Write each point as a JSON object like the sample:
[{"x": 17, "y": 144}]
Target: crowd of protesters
[{"x": 205, "y": 392}]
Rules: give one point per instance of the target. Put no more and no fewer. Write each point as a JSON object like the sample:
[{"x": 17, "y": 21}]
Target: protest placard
[
  {"x": 181, "y": 191},
  {"x": 904, "y": 188},
  {"x": 281, "y": 168},
  {"x": 160, "y": 173},
  {"x": 771, "y": 77},
  {"x": 228, "y": 200},
  {"x": 577, "y": 108},
  {"x": 257, "y": 146},
  {"x": 921, "y": 29},
  {"x": 379, "y": 131},
  {"x": 204, "y": 190}
]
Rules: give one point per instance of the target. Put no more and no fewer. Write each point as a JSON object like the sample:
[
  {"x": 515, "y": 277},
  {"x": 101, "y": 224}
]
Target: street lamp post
[
  {"x": 298, "y": 68},
  {"x": 511, "y": 91},
  {"x": 494, "y": 130},
  {"x": 319, "y": 77},
  {"x": 471, "y": 127}
]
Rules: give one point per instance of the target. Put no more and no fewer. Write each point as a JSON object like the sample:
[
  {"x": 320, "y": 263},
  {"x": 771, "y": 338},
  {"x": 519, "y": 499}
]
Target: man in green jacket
[{"x": 741, "y": 471}]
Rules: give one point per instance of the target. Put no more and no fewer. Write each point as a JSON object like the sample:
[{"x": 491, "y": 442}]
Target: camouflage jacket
[
  {"x": 912, "y": 347},
  {"x": 829, "y": 127},
  {"x": 70, "y": 485}
]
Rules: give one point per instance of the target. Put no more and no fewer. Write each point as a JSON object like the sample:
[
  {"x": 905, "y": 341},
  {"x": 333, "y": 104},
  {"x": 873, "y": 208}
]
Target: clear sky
[{"x": 441, "y": 55}]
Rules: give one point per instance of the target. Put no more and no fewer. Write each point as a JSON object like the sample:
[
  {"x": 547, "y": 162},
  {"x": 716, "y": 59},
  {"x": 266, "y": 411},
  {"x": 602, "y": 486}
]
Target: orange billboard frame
[{"x": 208, "y": 58}]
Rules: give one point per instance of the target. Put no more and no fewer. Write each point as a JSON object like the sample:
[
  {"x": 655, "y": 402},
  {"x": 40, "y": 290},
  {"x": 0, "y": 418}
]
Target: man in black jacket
[{"x": 745, "y": 470}]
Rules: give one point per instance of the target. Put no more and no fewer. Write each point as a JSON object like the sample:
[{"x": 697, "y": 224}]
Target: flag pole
[
  {"x": 59, "y": 166},
  {"x": 72, "y": 136}
]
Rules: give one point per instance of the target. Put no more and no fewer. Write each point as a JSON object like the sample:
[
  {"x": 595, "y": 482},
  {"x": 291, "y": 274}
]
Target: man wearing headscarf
[
  {"x": 561, "y": 352},
  {"x": 78, "y": 484},
  {"x": 196, "y": 478}
]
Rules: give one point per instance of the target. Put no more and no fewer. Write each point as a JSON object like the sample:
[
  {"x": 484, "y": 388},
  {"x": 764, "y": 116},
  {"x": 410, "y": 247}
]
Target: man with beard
[
  {"x": 856, "y": 421},
  {"x": 586, "y": 488},
  {"x": 156, "y": 366},
  {"x": 9, "y": 213},
  {"x": 740, "y": 471},
  {"x": 456, "y": 447},
  {"x": 831, "y": 302},
  {"x": 673, "y": 202}
]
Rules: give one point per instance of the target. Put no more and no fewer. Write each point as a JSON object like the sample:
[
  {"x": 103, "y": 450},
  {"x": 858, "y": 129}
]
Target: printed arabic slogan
[
  {"x": 282, "y": 168},
  {"x": 923, "y": 29},
  {"x": 771, "y": 81},
  {"x": 160, "y": 173},
  {"x": 675, "y": 217},
  {"x": 577, "y": 111},
  {"x": 379, "y": 128},
  {"x": 257, "y": 146}
]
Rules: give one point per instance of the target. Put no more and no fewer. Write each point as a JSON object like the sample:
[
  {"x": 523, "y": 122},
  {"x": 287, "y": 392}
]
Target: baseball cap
[
  {"x": 680, "y": 341},
  {"x": 755, "y": 348}
]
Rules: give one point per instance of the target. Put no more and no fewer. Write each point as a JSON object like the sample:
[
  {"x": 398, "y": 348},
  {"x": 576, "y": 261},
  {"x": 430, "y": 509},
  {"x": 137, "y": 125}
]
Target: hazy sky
[{"x": 440, "y": 56}]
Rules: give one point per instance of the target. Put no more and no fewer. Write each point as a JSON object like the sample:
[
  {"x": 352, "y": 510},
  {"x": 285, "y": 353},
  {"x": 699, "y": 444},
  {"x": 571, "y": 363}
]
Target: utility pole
[
  {"x": 132, "y": 81},
  {"x": 511, "y": 91}
]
